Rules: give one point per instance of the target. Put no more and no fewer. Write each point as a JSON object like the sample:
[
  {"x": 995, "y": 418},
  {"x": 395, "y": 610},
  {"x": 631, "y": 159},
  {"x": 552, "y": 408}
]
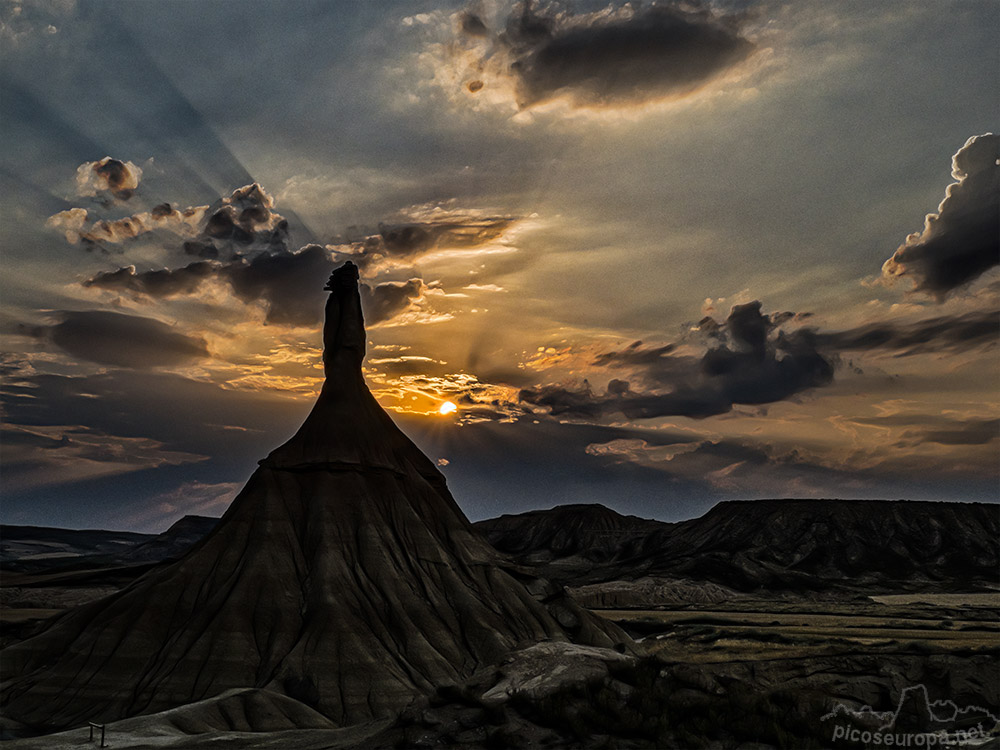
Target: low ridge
[{"x": 781, "y": 545}]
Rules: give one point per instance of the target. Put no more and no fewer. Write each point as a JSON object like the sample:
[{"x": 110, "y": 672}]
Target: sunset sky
[{"x": 658, "y": 255}]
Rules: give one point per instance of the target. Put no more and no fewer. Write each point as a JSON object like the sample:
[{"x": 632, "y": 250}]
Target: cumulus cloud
[
  {"x": 111, "y": 338},
  {"x": 962, "y": 240},
  {"x": 71, "y": 222},
  {"x": 104, "y": 232},
  {"x": 618, "y": 56},
  {"x": 108, "y": 176},
  {"x": 241, "y": 223},
  {"x": 750, "y": 361},
  {"x": 245, "y": 221}
]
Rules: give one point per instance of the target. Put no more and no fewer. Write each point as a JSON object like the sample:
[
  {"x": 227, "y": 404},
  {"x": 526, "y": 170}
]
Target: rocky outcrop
[
  {"x": 814, "y": 545},
  {"x": 343, "y": 576},
  {"x": 593, "y": 531},
  {"x": 649, "y": 592}
]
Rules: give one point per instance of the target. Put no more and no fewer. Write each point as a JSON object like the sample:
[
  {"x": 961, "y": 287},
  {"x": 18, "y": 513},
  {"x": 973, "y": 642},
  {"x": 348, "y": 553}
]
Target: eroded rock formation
[{"x": 344, "y": 576}]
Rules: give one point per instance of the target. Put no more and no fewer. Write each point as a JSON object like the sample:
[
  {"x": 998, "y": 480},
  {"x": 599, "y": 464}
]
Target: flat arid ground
[{"x": 763, "y": 629}]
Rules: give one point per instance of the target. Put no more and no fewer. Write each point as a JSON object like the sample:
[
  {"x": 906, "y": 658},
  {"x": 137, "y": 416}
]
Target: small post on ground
[{"x": 94, "y": 726}]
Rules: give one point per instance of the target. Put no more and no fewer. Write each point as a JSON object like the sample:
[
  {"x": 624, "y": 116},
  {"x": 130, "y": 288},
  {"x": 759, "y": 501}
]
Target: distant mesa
[
  {"x": 343, "y": 576},
  {"x": 781, "y": 546}
]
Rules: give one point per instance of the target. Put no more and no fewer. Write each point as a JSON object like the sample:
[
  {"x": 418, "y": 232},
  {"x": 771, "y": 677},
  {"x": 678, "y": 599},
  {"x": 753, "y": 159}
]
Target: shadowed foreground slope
[{"x": 343, "y": 576}]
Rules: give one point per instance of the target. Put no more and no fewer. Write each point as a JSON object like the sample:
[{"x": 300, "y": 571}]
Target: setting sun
[{"x": 447, "y": 408}]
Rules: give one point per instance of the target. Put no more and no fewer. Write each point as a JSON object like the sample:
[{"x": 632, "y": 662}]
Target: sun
[{"x": 447, "y": 408}]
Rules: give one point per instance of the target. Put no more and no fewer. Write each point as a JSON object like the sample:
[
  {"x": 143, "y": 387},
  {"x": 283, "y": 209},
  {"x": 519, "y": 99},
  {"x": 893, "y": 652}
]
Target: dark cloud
[
  {"x": 406, "y": 241},
  {"x": 387, "y": 300},
  {"x": 110, "y": 338},
  {"x": 618, "y": 387},
  {"x": 658, "y": 366},
  {"x": 244, "y": 222},
  {"x": 969, "y": 432},
  {"x": 634, "y": 354},
  {"x": 611, "y": 58},
  {"x": 108, "y": 176},
  {"x": 944, "y": 333},
  {"x": 749, "y": 362},
  {"x": 287, "y": 283},
  {"x": 156, "y": 283},
  {"x": 471, "y": 24},
  {"x": 962, "y": 240},
  {"x": 561, "y": 401}
]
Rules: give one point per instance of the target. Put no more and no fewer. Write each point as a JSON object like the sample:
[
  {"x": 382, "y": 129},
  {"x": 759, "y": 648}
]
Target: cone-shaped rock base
[{"x": 343, "y": 575}]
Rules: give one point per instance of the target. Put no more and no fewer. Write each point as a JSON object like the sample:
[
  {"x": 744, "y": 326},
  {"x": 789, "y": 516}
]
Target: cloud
[
  {"x": 244, "y": 222},
  {"x": 286, "y": 284},
  {"x": 20, "y": 21},
  {"x": 749, "y": 362},
  {"x": 71, "y": 222},
  {"x": 406, "y": 241},
  {"x": 634, "y": 354},
  {"x": 111, "y": 338},
  {"x": 969, "y": 432},
  {"x": 389, "y": 299},
  {"x": 242, "y": 242},
  {"x": 152, "y": 403},
  {"x": 102, "y": 232},
  {"x": 962, "y": 240},
  {"x": 640, "y": 451},
  {"x": 731, "y": 466},
  {"x": 108, "y": 176},
  {"x": 616, "y": 57},
  {"x": 943, "y": 333},
  {"x": 155, "y": 283},
  {"x": 47, "y": 455}
]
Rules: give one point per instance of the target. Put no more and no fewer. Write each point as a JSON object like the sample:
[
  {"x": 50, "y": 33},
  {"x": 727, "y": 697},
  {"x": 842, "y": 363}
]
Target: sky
[{"x": 658, "y": 255}]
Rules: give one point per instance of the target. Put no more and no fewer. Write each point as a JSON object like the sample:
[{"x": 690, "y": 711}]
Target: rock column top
[{"x": 344, "y": 326}]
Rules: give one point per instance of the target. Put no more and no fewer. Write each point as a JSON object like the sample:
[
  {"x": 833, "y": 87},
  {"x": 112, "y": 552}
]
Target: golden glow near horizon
[{"x": 447, "y": 408}]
